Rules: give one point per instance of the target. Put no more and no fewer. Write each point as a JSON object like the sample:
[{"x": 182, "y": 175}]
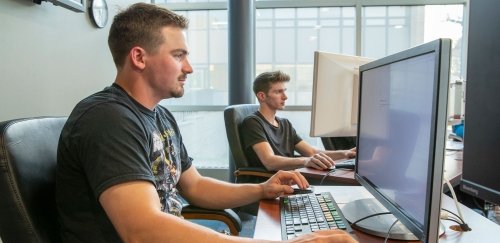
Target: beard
[
  {"x": 178, "y": 93},
  {"x": 280, "y": 106}
]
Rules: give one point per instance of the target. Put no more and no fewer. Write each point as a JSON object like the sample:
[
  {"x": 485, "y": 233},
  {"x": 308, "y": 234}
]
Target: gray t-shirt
[{"x": 255, "y": 129}]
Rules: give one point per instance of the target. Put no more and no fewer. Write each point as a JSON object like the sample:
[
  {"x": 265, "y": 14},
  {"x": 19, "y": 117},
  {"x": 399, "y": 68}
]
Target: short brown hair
[
  {"x": 140, "y": 25},
  {"x": 264, "y": 80}
]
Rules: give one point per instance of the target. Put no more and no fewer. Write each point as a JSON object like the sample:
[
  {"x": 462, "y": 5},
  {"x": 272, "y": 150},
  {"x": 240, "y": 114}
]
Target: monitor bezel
[{"x": 429, "y": 232}]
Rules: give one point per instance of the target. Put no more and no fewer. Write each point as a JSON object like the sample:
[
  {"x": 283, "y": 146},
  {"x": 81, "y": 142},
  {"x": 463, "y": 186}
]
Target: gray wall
[{"x": 51, "y": 58}]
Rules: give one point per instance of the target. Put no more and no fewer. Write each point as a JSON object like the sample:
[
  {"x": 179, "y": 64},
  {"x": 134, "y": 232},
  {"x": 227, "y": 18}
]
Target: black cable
[
  {"x": 478, "y": 205},
  {"x": 389, "y": 231},
  {"x": 461, "y": 220},
  {"x": 453, "y": 220},
  {"x": 369, "y": 216},
  {"x": 332, "y": 171}
]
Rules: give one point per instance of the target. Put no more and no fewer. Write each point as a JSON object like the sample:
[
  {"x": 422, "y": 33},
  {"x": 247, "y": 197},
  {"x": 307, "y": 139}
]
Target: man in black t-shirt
[
  {"x": 122, "y": 164},
  {"x": 270, "y": 141}
]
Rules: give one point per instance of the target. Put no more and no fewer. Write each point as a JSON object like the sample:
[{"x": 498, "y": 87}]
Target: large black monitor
[
  {"x": 481, "y": 160},
  {"x": 401, "y": 135}
]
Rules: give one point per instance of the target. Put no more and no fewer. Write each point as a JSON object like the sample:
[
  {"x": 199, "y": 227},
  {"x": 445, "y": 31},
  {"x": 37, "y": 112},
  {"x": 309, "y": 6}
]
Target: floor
[{"x": 248, "y": 225}]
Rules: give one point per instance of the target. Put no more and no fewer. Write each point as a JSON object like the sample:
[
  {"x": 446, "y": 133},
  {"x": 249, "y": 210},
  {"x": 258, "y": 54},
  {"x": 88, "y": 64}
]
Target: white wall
[{"x": 51, "y": 58}]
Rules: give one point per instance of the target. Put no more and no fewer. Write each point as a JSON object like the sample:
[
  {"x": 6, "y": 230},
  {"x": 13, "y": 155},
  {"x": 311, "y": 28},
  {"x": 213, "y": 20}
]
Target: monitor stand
[{"x": 377, "y": 225}]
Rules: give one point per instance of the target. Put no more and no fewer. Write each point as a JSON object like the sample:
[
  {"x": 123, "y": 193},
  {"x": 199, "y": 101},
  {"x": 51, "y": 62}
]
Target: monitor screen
[
  {"x": 401, "y": 133},
  {"x": 335, "y": 94}
]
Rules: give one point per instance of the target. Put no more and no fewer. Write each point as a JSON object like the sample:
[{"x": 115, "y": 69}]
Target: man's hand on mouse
[{"x": 319, "y": 161}]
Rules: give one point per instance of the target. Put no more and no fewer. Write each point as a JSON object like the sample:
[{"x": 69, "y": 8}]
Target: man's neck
[
  {"x": 268, "y": 114},
  {"x": 137, "y": 91}
]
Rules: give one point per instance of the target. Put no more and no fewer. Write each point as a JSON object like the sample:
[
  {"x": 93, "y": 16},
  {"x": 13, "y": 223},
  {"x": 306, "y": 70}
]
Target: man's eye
[{"x": 178, "y": 57}]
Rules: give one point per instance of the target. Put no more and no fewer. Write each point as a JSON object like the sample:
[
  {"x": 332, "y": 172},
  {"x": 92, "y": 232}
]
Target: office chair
[
  {"x": 28, "y": 158},
  {"x": 238, "y": 163},
  {"x": 338, "y": 143},
  {"x": 27, "y": 179}
]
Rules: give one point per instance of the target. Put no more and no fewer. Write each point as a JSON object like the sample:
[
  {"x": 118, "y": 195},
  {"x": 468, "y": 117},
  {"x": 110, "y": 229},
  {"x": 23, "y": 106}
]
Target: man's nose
[{"x": 187, "y": 68}]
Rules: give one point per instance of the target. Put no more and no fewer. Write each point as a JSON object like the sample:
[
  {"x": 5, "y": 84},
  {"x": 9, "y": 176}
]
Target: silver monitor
[{"x": 401, "y": 134}]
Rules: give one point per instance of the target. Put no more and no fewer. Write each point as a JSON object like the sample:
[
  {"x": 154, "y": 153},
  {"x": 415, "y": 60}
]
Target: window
[
  {"x": 390, "y": 29},
  {"x": 286, "y": 39},
  {"x": 207, "y": 41},
  {"x": 203, "y": 137},
  {"x": 287, "y": 34}
]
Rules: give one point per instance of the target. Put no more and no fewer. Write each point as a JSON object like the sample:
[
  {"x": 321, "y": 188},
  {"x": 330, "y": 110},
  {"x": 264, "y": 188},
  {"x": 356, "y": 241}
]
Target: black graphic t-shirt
[{"x": 110, "y": 139}]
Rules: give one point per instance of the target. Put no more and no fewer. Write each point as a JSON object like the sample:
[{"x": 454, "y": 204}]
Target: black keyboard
[
  {"x": 346, "y": 164},
  {"x": 305, "y": 213}
]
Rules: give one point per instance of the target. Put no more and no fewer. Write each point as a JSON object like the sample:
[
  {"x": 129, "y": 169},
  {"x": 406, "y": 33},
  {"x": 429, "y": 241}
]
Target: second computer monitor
[{"x": 335, "y": 94}]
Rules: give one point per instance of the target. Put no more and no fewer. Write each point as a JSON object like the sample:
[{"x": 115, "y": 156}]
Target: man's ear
[
  {"x": 137, "y": 57},
  {"x": 260, "y": 96}
]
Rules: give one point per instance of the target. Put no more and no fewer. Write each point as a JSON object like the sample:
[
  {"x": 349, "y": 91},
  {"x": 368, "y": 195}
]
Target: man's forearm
[
  {"x": 336, "y": 154},
  {"x": 216, "y": 194},
  {"x": 276, "y": 163}
]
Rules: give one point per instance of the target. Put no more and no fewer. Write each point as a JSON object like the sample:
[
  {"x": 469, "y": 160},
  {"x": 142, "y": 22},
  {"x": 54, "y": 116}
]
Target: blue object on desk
[{"x": 458, "y": 129}]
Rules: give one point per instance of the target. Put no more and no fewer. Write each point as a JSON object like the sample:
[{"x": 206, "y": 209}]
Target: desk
[
  {"x": 483, "y": 230},
  {"x": 452, "y": 171},
  {"x": 340, "y": 176}
]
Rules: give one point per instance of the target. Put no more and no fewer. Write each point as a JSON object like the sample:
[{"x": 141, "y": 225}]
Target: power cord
[
  {"x": 367, "y": 217},
  {"x": 331, "y": 172},
  {"x": 389, "y": 231},
  {"x": 459, "y": 219},
  {"x": 353, "y": 224}
]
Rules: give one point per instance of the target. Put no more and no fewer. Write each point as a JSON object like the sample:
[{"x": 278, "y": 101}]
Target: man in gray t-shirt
[{"x": 270, "y": 141}]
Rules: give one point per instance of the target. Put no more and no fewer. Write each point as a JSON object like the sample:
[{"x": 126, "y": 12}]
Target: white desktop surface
[{"x": 483, "y": 230}]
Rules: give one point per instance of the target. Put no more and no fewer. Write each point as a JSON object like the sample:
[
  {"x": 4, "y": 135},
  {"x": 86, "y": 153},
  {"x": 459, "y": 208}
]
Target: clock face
[{"x": 99, "y": 12}]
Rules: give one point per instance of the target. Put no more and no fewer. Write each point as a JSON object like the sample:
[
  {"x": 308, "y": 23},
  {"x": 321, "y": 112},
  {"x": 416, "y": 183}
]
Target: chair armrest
[
  {"x": 253, "y": 171},
  {"x": 227, "y": 216}
]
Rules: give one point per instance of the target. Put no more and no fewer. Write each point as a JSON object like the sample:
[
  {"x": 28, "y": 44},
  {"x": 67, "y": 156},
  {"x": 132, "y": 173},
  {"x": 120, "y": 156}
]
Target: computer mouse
[{"x": 310, "y": 189}]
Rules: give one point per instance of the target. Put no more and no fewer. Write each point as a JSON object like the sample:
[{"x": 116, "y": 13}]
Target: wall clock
[{"x": 99, "y": 12}]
